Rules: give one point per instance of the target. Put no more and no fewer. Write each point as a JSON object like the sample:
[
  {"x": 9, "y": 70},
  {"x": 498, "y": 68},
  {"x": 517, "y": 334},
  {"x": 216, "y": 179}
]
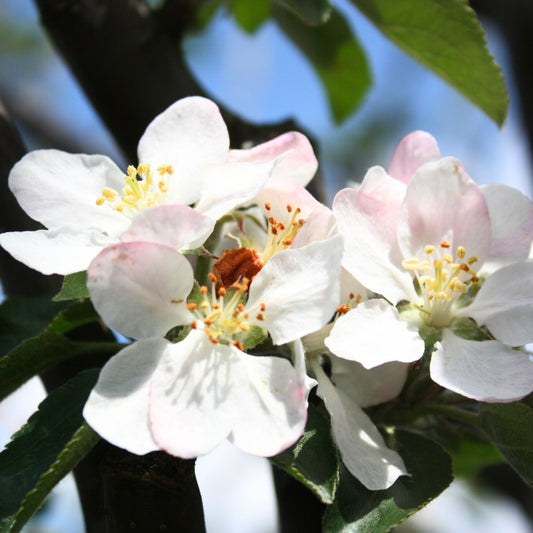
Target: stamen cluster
[
  {"x": 281, "y": 234},
  {"x": 442, "y": 280},
  {"x": 141, "y": 189},
  {"x": 221, "y": 313}
]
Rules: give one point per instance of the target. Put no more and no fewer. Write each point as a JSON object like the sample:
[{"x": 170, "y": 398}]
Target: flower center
[
  {"x": 442, "y": 280},
  {"x": 281, "y": 234},
  {"x": 221, "y": 312},
  {"x": 141, "y": 189}
]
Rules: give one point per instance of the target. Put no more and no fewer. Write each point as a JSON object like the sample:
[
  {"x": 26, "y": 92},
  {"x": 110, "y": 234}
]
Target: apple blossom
[
  {"x": 421, "y": 245},
  {"x": 186, "y": 397},
  {"x": 346, "y": 389},
  {"x": 87, "y": 203}
]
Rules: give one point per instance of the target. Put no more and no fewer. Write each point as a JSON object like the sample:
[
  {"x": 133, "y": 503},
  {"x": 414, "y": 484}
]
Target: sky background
[{"x": 263, "y": 78}]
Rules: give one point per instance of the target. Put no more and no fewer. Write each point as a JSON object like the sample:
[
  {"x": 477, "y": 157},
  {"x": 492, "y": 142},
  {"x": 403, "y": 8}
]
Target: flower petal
[
  {"x": 177, "y": 226},
  {"x": 443, "y": 204},
  {"x": 229, "y": 185},
  {"x": 367, "y": 387},
  {"x": 511, "y": 217},
  {"x": 190, "y": 135},
  {"x": 487, "y": 371},
  {"x": 57, "y": 251},
  {"x": 505, "y": 304},
  {"x": 412, "y": 152},
  {"x": 358, "y": 336},
  {"x": 117, "y": 408},
  {"x": 360, "y": 444},
  {"x": 367, "y": 218},
  {"x": 140, "y": 288},
  {"x": 191, "y": 401},
  {"x": 297, "y": 163},
  {"x": 60, "y": 190},
  {"x": 270, "y": 405},
  {"x": 299, "y": 289}
]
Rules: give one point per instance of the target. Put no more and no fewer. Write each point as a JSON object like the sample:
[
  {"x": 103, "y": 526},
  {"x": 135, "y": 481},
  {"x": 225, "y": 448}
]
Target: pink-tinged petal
[
  {"x": 505, "y": 304},
  {"x": 140, "y": 288},
  {"x": 192, "y": 403},
  {"x": 487, "y": 371},
  {"x": 350, "y": 286},
  {"x": 270, "y": 403},
  {"x": 177, "y": 226},
  {"x": 359, "y": 336},
  {"x": 319, "y": 220},
  {"x": 412, "y": 152},
  {"x": 60, "y": 190},
  {"x": 299, "y": 289},
  {"x": 298, "y": 353},
  {"x": 296, "y": 160},
  {"x": 511, "y": 217},
  {"x": 443, "y": 204},
  {"x": 367, "y": 387},
  {"x": 189, "y": 135},
  {"x": 360, "y": 444},
  {"x": 227, "y": 186},
  {"x": 57, "y": 251},
  {"x": 367, "y": 218},
  {"x": 117, "y": 408}
]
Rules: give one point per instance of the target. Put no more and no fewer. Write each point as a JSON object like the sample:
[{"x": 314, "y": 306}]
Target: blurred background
[{"x": 263, "y": 78}]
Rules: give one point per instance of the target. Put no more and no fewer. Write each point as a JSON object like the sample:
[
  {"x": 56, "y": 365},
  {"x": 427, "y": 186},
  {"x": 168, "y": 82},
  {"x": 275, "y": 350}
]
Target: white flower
[
  {"x": 422, "y": 245},
  {"x": 186, "y": 397},
  {"x": 349, "y": 388},
  {"x": 87, "y": 202}
]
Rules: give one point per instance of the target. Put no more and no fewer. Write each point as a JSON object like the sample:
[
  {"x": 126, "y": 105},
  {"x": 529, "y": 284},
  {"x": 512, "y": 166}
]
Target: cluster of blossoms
[{"x": 242, "y": 292}]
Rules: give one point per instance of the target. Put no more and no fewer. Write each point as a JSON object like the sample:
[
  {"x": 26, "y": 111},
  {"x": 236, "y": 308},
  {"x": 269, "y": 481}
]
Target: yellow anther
[
  {"x": 163, "y": 187},
  {"x": 165, "y": 169},
  {"x": 132, "y": 171},
  {"x": 461, "y": 252},
  {"x": 109, "y": 194},
  {"x": 411, "y": 264},
  {"x": 100, "y": 200},
  {"x": 447, "y": 258},
  {"x": 472, "y": 259},
  {"x": 429, "y": 249},
  {"x": 143, "y": 168}
]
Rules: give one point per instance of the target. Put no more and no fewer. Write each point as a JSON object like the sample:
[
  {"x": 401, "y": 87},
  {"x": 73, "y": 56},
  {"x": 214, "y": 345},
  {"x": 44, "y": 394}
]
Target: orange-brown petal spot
[
  {"x": 191, "y": 306},
  {"x": 358, "y": 298},
  {"x": 260, "y": 316},
  {"x": 176, "y": 301},
  {"x": 289, "y": 208},
  {"x": 193, "y": 324},
  {"x": 236, "y": 264},
  {"x": 268, "y": 207},
  {"x": 262, "y": 306}
]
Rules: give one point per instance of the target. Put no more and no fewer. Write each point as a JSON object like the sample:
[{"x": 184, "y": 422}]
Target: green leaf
[
  {"x": 250, "y": 15},
  {"x": 74, "y": 287},
  {"x": 359, "y": 510},
  {"x": 336, "y": 56},
  {"x": 446, "y": 37},
  {"x": 50, "y": 444},
  {"x": 313, "y": 460},
  {"x": 509, "y": 426},
  {"x": 37, "y": 353},
  {"x": 471, "y": 454},
  {"x": 21, "y": 318},
  {"x": 312, "y": 12}
]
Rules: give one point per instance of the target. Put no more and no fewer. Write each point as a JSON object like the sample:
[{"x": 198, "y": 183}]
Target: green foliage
[
  {"x": 312, "y": 12},
  {"x": 359, "y": 510},
  {"x": 313, "y": 460},
  {"x": 509, "y": 426},
  {"x": 446, "y": 37},
  {"x": 54, "y": 439},
  {"x": 74, "y": 287},
  {"x": 341, "y": 63},
  {"x": 41, "y": 351},
  {"x": 250, "y": 15},
  {"x": 21, "y": 318}
]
